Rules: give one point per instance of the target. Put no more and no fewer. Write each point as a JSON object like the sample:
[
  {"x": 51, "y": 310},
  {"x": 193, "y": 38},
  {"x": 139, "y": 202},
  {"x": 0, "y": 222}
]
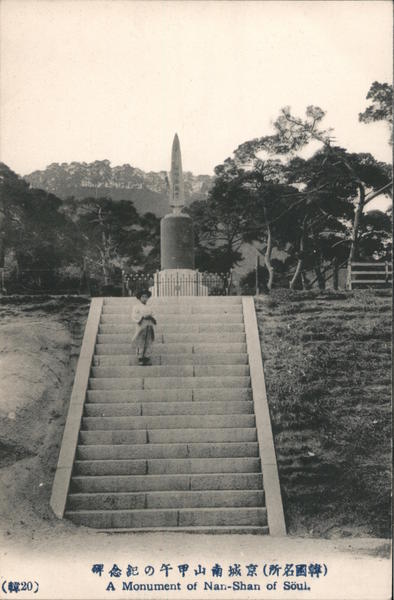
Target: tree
[
  {"x": 13, "y": 199},
  {"x": 45, "y": 241},
  {"x": 344, "y": 180},
  {"x": 271, "y": 207},
  {"x": 375, "y": 239},
  {"x": 220, "y": 222},
  {"x": 289, "y": 137},
  {"x": 308, "y": 205},
  {"x": 32, "y": 225},
  {"x": 365, "y": 176},
  {"x": 150, "y": 241},
  {"x": 245, "y": 205},
  {"x": 99, "y": 174},
  {"x": 113, "y": 235},
  {"x": 311, "y": 208},
  {"x": 381, "y": 107}
]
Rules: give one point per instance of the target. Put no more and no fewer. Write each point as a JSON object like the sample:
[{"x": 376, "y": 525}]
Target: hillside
[
  {"x": 327, "y": 363},
  {"x": 40, "y": 339},
  {"x": 148, "y": 191}
]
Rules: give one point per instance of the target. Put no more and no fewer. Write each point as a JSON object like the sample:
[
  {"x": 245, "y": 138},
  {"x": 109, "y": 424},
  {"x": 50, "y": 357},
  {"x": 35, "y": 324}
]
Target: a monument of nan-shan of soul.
[{"x": 177, "y": 276}]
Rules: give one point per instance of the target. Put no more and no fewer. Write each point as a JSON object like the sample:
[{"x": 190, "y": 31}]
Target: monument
[{"x": 177, "y": 276}]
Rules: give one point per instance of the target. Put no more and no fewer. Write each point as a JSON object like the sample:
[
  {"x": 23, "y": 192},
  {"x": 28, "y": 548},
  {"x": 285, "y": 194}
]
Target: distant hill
[{"x": 148, "y": 191}]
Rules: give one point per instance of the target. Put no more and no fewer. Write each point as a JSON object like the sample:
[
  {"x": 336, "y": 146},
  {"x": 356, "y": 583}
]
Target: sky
[{"x": 85, "y": 80}]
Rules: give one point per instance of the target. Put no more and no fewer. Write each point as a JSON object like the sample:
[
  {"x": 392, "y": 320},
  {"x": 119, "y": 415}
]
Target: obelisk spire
[{"x": 177, "y": 193}]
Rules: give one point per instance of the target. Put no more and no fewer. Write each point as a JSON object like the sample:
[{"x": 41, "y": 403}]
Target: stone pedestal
[{"x": 176, "y": 242}]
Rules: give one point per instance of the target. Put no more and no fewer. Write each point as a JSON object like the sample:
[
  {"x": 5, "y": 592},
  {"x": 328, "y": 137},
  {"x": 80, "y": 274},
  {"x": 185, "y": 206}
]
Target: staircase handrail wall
[
  {"x": 269, "y": 467},
  {"x": 69, "y": 444}
]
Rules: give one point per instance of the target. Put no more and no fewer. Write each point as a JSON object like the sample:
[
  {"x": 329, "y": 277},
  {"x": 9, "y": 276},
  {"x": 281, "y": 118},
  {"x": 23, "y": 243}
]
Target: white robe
[{"x": 145, "y": 331}]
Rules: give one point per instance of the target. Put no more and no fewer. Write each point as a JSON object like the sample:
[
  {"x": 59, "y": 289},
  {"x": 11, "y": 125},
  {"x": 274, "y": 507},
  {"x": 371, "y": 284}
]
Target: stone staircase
[{"x": 172, "y": 446}]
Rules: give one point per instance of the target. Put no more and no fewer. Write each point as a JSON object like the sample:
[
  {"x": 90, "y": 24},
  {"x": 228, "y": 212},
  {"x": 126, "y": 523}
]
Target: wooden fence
[{"x": 369, "y": 274}]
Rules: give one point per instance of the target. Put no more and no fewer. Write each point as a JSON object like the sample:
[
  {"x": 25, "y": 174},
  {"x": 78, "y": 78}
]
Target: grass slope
[{"x": 327, "y": 365}]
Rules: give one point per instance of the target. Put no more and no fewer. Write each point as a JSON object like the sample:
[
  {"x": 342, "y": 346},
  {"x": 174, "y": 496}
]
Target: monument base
[{"x": 178, "y": 282}]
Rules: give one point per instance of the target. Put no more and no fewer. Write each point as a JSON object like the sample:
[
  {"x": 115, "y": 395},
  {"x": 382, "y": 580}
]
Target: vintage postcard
[{"x": 195, "y": 299}]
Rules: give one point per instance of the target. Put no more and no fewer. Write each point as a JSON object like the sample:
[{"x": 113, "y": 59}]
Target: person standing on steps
[{"x": 144, "y": 336}]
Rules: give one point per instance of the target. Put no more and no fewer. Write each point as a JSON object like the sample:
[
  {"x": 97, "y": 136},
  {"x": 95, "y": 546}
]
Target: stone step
[
  {"x": 164, "y": 371},
  {"x": 167, "y": 408},
  {"x": 168, "y": 338},
  {"x": 192, "y": 301},
  {"x": 194, "y": 450},
  {"x": 172, "y": 483},
  {"x": 175, "y": 299},
  {"x": 199, "y": 308},
  {"x": 176, "y": 517},
  {"x": 169, "y": 436},
  {"x": 217, "y": 530},
  {"x": 221, "y": 318},
  {"x": 160, "y": 348},
  {"x": 173, "y": 359},
  {"x": 179, "y": 302},
  {"x": 163, "y": 328},
  {"x": 119, "y": 315},
  {"x": 166, "y": 466},
  {"x": 174, "y": 311},
  {"x": 168, "y": 422},
  {"x": 139, "y": 383},
  {"x": 140, "y": 500},
  {"x": 167, "y": 395}
]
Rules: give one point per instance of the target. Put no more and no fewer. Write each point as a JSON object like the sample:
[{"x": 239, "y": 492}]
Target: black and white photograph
[{"x": 196, "y": 299}]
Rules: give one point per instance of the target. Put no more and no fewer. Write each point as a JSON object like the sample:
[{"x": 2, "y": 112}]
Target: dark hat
[{"x": 143, "y": 293}]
